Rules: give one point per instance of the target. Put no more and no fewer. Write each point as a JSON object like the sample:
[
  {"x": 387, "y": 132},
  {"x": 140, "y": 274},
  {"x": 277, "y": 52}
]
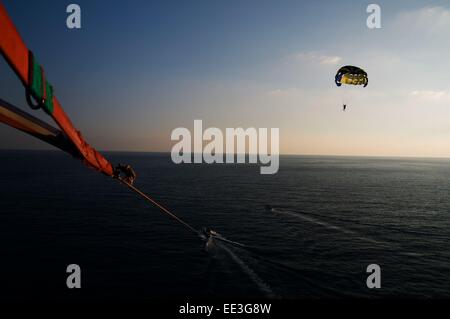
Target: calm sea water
[{"x": 332, "y": 217}]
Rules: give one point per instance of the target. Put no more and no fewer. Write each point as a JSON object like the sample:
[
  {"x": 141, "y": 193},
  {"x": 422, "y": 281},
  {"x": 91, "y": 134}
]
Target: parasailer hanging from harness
[
  {"x": 350, "y": 75},
  {"x": 126, "y": 172}
]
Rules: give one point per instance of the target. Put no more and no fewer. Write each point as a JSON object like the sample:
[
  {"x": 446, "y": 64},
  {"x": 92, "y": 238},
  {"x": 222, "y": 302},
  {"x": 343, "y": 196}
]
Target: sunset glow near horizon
[{"x": 134, "y": 73}]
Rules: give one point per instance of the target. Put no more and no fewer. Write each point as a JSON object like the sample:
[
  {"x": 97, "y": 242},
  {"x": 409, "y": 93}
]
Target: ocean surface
[{"x": 331, "y": 218}]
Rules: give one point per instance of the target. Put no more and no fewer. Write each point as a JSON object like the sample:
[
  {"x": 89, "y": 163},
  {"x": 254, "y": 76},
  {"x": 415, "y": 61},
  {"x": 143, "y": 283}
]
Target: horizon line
[{"x": 224, "y": 154}]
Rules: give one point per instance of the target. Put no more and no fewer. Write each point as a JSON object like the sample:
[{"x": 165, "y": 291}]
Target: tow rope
[{"x": 157, "y": 204}]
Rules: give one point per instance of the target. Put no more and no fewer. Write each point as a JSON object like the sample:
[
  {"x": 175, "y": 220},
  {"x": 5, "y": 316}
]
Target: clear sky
[{"x": 139, "y": 69}]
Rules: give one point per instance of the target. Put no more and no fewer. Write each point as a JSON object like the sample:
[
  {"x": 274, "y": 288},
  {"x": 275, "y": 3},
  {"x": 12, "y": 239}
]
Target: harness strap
[{"x": 38, "y": 88}]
